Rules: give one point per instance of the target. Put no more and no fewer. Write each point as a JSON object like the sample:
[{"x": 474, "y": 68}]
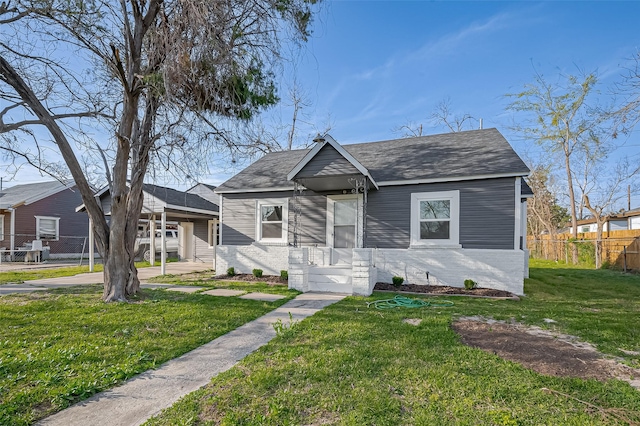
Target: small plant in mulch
[
  {"x": 470, "y": 284},
  {"x": 284, "y": 275},
  {"x": 397, "y": 281},
  {"x": 231, "y": 271},
  {"x": 257, "y": 273}
]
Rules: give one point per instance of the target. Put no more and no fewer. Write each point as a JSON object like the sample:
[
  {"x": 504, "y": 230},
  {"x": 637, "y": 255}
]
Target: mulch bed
[
  {"x": 269, "y": 279},
  {"x": 439, "y": 289}
]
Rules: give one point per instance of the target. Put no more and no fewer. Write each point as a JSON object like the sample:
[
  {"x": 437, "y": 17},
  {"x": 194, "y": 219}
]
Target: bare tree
[
  {"x": 627, "y": 115},
  {"x": 163, "y": 69},
  {"x": 558, "y": 118},
  {"x": 442, "y": 116},
  {"x": 605, "y": 188},
  {"x": 544, "y": 213}
]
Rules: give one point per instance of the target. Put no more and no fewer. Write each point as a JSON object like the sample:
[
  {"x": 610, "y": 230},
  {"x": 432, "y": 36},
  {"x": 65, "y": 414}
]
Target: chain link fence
[{"x": 63, "y": 248}]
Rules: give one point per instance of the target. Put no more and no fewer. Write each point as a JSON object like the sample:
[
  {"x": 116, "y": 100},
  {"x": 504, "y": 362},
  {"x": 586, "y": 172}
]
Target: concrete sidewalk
[
  {"x": 144, "y": 274},
  {"x": 147, "y": 394}
]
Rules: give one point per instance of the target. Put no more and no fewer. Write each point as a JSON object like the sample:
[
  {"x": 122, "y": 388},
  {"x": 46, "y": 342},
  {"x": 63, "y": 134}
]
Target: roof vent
[{"x": 319, "y": 139}]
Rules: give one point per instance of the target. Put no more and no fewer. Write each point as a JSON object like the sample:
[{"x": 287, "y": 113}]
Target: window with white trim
[
  {"x": 435, "y": 218},
  {"x": 47, "y": 228},
  {"x": 271, "y": 220}
]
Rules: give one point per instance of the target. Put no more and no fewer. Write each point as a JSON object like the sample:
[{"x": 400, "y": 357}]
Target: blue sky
[{"x": 372, "y": 66}]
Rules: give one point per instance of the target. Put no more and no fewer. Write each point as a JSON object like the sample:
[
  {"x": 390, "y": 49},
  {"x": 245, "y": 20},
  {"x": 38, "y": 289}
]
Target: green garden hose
[{"x": 405, "y": 302}]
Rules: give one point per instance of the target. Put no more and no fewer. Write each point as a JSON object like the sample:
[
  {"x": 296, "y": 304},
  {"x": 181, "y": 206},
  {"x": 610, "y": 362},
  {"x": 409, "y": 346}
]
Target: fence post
[{"x": 624, "y": 258}]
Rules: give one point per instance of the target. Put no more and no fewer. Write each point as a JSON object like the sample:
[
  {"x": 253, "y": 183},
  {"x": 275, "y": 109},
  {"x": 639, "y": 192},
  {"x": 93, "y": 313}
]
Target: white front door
[
  {"x": 185, "y": 235},
  {"x": 342, "y": 233}
]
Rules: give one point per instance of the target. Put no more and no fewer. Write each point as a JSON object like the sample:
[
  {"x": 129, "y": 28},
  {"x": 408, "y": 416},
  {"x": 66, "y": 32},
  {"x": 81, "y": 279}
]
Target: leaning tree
[{"x": 162, "y": 77}]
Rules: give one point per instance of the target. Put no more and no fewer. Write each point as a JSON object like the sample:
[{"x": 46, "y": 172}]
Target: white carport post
[
  {"x": 163, "y": 239},
  {"x": 91, "y": 243},
  {"x": 215, "y": 241},
  {"x": 152, "y": 240}
]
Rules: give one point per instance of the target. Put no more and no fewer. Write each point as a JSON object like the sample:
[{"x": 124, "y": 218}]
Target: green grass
[
  {"x": 62, "y": 346},
  {"x": 66, "y": 271},
  {"x": 353, "y": 365}
]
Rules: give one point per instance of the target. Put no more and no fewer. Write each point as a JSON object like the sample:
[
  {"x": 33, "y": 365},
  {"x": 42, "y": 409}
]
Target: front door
[{"x": 342, "y": 225}]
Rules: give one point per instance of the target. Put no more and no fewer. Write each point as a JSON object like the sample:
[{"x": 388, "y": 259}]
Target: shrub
[
  {"x": 257, "y": 273},
  {"x": 284, "y": 275},
  {"x": 470, "y": 284},
  {"x": 397, "y": 281},
  {"x": 231, "y": 271}
]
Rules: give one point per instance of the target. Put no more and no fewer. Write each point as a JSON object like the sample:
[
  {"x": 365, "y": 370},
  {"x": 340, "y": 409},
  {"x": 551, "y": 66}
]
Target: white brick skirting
[
  {"x": 271, "y": 259},
  {"x": 497, "y": 269}
]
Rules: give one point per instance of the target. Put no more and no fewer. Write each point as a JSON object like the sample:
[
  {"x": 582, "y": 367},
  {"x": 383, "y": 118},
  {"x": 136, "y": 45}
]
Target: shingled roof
[
  {"x": 179, "y": 198},
  {"x": 448, "y": 156},
  {"x": 31, "y": 192}
]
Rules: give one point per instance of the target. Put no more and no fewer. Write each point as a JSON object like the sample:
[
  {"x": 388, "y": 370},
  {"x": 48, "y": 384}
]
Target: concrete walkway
[
  {"x": 147, "y": 394},
  {"x": 144, "y": 274}
]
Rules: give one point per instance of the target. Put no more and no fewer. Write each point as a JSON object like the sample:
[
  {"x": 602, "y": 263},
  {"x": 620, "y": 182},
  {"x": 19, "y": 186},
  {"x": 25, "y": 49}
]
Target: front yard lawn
[
  {"x": 62, "y": 346},
  {"x": 353, "y": 365}
]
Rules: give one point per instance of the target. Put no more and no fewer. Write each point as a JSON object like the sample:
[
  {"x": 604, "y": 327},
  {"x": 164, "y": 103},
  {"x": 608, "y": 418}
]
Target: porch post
[
  {"x": 152, "y": 240},
  {"x": 91, "y": 243},
  {"x": 12, "y": 231},
  {"x": 215, "y": 241},
  {"x": 163, "y": 239}
]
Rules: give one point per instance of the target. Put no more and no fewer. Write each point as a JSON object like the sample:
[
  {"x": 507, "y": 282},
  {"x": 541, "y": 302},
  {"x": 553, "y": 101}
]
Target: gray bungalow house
[{"x": 434, "y": 210}]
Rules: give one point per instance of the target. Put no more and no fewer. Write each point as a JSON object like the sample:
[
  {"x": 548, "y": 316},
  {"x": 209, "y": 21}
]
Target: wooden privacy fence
[{"x": 619, "y": 248}]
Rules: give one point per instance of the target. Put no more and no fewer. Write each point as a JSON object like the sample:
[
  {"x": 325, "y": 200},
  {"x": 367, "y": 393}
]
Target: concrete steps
[{"x": 335, "y": 279}]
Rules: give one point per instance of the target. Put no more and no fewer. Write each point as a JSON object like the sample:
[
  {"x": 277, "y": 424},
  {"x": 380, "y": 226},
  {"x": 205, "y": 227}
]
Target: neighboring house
[
  {"x": 433, "y": 210},
  {"x": 196, "y": 218},
  {"x": 622, "y": 221},
  {"x": 43, "y": 211},
  {"x": 206, "y": 191}
]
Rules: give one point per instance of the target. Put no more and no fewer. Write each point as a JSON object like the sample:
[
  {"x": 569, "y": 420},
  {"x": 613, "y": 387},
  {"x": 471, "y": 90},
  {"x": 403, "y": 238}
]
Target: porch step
[{"x": 335, "y": 279}]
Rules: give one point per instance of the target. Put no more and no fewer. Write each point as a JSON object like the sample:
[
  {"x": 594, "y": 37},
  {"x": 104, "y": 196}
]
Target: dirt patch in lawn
[
  {"x": 441, "y": 289},
  {"x": 545, "y": 352}
]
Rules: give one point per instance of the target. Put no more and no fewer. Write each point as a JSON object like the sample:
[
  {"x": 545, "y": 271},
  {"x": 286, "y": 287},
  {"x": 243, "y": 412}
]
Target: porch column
[
  {"x": 12, "y": 231},
  {"x": 215, "y": 241},
  {"x": 163, "y": 240},
  {"x": 363, "y": 274},
  {"x": 91, "y": 250},
  {"x": 152, "y": 240},
  {"x": 299, "y": 268}
]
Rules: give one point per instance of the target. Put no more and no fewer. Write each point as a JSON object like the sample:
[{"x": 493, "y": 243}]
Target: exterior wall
[
  {"x": 498, "y": 269},
  {"x": 239, "y": 216},
  {"x": 271, "y": 259},
  {"x": 327, "y": 162},
  {"x": 487, "y": 211},
  {"x": 74, "y": 226},
  {"x": 202, "y": 251}
]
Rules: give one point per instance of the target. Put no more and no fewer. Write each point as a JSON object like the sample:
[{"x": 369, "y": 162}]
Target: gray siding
[
  {"x": 202, "y": 252},
  {"x": 327, "y": 162},
  {"x": 486, "y": 213},
  {"x": 239, "y": 217}
]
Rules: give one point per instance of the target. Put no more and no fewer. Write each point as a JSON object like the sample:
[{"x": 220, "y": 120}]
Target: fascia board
[{"x": 449, "y": 179}]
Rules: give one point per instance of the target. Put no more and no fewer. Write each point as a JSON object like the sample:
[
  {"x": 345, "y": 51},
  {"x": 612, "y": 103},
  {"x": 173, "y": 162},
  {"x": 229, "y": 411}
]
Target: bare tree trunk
[{"x": 572, "y": 201}]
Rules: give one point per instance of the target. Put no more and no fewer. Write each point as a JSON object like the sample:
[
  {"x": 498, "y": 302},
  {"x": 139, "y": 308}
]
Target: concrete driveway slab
[{"x": 266, "y": 297}]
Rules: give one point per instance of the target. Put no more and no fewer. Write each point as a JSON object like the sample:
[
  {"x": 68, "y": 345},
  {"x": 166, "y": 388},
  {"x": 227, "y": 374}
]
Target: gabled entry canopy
[{"x": 329, "y": 167}]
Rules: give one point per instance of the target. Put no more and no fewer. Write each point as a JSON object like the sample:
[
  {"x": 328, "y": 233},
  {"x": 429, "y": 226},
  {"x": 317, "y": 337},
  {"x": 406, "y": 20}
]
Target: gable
[{"x": 327, "y": 162}]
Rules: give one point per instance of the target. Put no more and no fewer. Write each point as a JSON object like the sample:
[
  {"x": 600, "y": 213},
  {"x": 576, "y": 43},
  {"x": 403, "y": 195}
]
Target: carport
[{"x": 197, "y": 223}]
